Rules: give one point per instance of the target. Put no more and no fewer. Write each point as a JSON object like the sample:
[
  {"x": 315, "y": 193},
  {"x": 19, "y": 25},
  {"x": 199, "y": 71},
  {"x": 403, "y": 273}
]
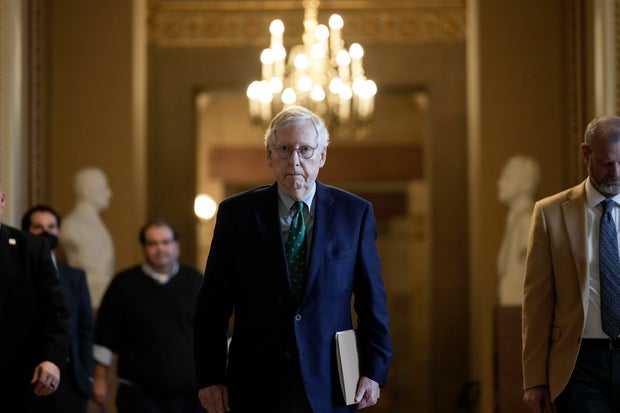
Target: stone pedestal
[{"x": 508, "y": 374}]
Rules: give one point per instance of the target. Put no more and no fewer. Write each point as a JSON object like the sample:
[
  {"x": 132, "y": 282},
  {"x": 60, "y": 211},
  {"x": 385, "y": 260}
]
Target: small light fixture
[{"x": 204, "y": 206}]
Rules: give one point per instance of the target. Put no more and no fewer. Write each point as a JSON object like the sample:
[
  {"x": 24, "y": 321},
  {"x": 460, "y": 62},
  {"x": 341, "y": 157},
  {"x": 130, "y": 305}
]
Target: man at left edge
[{"x": 34, "y": 321}]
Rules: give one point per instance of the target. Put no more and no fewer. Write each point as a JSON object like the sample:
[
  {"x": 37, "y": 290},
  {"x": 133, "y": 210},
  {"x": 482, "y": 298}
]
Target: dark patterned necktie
[
  {"x": 296, "y": 249},
  {"x": 609, "y": 262}
]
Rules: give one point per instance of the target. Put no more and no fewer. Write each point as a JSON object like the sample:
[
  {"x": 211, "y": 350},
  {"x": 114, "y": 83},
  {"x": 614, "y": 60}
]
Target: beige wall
[{"x": 92, "y": 115}]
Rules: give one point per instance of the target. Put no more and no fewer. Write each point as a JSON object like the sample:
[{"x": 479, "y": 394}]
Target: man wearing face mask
[{"x": 75, "y": 390}]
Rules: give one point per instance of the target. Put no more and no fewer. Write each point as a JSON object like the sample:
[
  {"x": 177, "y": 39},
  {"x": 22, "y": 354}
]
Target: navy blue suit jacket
[
  {"x": 82, "y": 325},
  {"x": 247, "y": 272},
  {"x": 34, "y": 321}
]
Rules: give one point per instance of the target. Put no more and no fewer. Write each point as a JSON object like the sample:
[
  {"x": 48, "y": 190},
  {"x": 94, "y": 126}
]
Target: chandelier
[{"x": 320, "y": 74}]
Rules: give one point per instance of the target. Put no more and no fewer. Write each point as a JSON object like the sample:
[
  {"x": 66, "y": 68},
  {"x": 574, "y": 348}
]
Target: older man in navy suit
[
  {"x": 282, "y": 355},
  {"x": 73, "y": 394},
  {"x": 34, "y": 322}
]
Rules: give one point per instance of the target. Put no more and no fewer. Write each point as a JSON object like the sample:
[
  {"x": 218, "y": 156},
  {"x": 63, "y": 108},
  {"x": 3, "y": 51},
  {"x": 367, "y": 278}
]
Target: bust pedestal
[{"x": 508, "y": 374}]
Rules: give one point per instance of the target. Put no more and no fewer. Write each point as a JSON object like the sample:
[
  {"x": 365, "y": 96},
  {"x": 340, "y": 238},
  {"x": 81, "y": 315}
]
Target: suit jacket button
[{"x": 297, "y": 317}]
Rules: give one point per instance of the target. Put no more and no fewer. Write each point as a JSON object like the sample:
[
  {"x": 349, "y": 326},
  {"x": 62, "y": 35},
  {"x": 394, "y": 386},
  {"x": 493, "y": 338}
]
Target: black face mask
[{"x": 52, "y": 239}]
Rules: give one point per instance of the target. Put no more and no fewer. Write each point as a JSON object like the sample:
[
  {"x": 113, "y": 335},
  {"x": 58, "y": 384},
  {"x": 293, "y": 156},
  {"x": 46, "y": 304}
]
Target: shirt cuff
[{"x": 103, "y": 355}]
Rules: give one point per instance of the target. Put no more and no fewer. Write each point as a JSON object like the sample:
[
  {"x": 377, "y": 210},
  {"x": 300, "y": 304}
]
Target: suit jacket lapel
[
  {"x": 8, "y": 262},
  {"x": 7, "y": 256},
  {"x": 268, "y": 222},
  {"x": 574, "y": 210},
  {"x": 266, "y": 214},
  {"x": 323, "y": 224}
]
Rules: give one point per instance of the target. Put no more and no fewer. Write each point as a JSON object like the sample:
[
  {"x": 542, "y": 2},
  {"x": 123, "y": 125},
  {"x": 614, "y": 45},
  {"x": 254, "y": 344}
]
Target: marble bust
[
  {"x": 84, "y": 236},
  {"x": 516, "y": 186}
]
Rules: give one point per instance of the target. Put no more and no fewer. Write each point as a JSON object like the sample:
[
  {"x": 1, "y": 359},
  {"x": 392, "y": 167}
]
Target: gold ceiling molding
[{"x": 246, "y": 23}]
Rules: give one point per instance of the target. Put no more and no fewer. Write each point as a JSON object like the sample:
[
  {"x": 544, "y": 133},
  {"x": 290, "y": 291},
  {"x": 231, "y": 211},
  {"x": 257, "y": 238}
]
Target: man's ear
[{"x": 323, "y": 158}]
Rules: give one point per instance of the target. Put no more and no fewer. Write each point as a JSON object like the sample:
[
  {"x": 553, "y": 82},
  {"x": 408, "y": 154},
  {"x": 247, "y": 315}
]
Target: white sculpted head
[
  {"x": 519, "y": 178},
  {"x": 91, "y": 186}
]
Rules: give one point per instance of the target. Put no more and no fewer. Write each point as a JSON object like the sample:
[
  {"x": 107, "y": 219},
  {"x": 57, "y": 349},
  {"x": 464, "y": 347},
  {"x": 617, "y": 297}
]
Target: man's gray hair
[
  {"x": 293, "y": 115},
  {"x": 604, "y": 126}
]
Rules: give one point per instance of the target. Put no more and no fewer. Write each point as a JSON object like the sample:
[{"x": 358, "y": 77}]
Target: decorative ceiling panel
[{"x": 246, "y": 23}]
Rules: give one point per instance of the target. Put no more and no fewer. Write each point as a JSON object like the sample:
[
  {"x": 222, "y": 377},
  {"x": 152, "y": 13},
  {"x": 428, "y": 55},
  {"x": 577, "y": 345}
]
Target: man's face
[
  {"x": 602, "y": 158},
  {"x": 41, "y": 221},
  {"x": 161, "y": 251},
  {"x": 294, "y": 174},
  {"x": 2, "y": 201}
]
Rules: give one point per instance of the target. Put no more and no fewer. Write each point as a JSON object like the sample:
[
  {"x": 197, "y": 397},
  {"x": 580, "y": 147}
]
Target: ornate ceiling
[{"x": 246, "y": 23}]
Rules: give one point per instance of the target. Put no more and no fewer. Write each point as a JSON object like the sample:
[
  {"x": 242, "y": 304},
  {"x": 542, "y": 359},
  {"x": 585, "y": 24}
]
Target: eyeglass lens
[{"x": 303, "y": 151}]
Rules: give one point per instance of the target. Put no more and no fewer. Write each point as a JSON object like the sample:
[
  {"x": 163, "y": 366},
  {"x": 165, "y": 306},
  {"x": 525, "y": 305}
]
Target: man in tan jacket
[{"x": 568, "y": 359}]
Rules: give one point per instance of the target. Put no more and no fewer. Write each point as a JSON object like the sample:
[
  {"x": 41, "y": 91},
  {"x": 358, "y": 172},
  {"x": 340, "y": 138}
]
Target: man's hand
[
  {"x": 100, "y": 384},
  {"x": 46, "y": 378},
  {"x": 214, "y": 398},
  {"x": 538, "y": 399},
  {"x": 367, "y": 393},
  {"x": 100, "y": 391}
]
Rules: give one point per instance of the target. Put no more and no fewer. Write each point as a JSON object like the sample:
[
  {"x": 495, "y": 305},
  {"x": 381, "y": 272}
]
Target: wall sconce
[{"x": 204, "y": 206}]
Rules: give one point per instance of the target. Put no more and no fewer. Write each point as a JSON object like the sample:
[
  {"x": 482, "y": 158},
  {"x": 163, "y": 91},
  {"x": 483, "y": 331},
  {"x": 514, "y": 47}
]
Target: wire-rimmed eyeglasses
[{"x": 285, "y": 151}]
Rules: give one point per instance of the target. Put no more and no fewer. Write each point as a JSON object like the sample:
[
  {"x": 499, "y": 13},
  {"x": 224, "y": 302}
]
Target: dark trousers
[
  {"x": 594, "y": 386},
  {"x": 68, "y": 398},
  {"x": 293, "y": 397},
  {"x": 17, "y": 394},
  {"x": 288, "y": 396},
  {"x": 130, "y": 399}
]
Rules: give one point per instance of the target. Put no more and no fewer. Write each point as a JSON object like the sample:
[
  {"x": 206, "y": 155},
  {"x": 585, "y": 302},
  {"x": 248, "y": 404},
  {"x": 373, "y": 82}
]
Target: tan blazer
[{"x": 555, "y": 289}]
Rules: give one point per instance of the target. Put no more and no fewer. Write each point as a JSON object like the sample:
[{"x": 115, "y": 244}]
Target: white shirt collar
[
  {"x": 288, "y": 201},
  {"x": 159, "y": 278}
]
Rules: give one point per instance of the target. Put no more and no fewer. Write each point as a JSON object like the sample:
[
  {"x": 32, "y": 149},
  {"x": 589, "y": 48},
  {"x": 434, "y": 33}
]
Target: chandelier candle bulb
[
  {"x": 335, "y": 41},
  {"x": 343, "y": 60},
  {"x": 266, "y": 58},
  {"x": 367, "y": 98},
  {"x": 322, "y": 34},
  {"x": 265, "y": 110},
  {"x": 288, "y": 96},
  {"x": 317, "y": 94},
  {"x": 279, "y": 63},
  {"x": 344, "y": 104},
  {"x": 265, "y": 98},
  {"x": 356, "y": 52},
  {"x": 254, "y": 104},
  {"x": 276, "y": 28}
]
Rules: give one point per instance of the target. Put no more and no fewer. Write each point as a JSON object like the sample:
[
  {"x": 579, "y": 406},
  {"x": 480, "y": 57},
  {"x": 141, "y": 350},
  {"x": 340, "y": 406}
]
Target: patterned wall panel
[{"x": 246, "y": 23}]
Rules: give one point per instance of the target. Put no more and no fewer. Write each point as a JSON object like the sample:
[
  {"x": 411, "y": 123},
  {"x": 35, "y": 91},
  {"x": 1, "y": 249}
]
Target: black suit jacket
[
  {"x": 82, "y": 325},
  {"x": 34, "y": 321}
]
